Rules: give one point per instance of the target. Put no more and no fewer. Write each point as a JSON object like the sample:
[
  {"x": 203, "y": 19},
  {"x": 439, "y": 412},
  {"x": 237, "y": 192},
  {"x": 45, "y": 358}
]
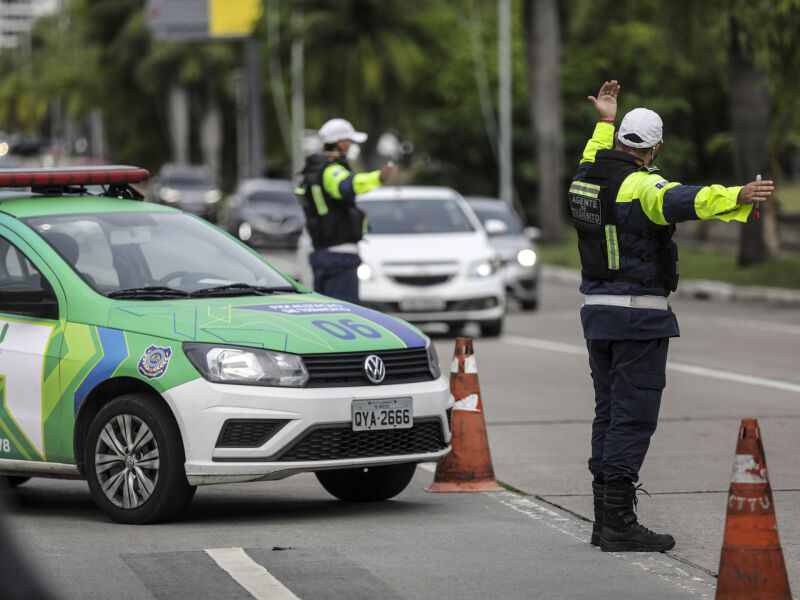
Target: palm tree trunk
[
  {"x": 543, "y": 35},
  {"x": 750, "y": 106}
]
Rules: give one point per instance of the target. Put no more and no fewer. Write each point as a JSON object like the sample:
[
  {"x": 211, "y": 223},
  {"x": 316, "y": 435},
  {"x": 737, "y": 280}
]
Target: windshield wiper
[
  {"x": 239, "y": 289},
  {"x": 149, "y": 292}
]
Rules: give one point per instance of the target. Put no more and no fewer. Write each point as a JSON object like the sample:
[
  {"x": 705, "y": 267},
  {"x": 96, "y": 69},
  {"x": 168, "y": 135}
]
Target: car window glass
[
  {"x": 15, "y": 267},
  {"x": 416, "y": 216},
  {"x": 82, "y": 242},
  {"x": 279, "y": 198},
  {"x": 23, "y": 288},
  {"x": 511, "y": 221},
  {"x": 130, "y": 250}
]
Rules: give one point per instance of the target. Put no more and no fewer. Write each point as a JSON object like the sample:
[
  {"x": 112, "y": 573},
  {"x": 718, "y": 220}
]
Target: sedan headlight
[
  {"x": 433, "y": 360},
  {"x": 247, "y": 366},
  {"x": 212, "y": 196},
  {"x": 169, "y": 194},
  {"x": 526, "y": 257},
  {"x": 484, "y": 268},
  {"x": 364, "y": 272}
]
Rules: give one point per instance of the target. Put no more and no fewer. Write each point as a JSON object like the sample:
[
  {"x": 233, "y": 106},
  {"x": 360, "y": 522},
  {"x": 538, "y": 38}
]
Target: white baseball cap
[
  {"x": 340, "y": 129},
  {"x": 640, "y": 128}
]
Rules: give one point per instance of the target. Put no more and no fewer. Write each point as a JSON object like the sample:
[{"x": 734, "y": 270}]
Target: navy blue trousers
[
  {"x": 336, "y": 274},
  {"x": 628, "y": 376}
]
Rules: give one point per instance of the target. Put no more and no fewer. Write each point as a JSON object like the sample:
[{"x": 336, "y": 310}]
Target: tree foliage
[{"x": 424, "y": 70}]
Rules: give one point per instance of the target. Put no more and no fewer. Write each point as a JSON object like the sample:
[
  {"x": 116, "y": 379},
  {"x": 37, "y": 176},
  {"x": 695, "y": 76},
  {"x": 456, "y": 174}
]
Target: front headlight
[
  {"x": 484, "y": 268},
  {"x": 364, "y": 272},
  {"x": 526, "y": 257},
  {"x": 212, "y": 196},
  {"x": 433, "y": 360},
  {"x": 169, "y": 194},
  {"x": 247, "y": 366}
]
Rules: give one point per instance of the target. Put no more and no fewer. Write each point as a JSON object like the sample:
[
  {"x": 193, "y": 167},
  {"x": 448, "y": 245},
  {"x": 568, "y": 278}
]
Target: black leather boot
[
  {"x": 598, "y": 490},
  {"x": 622, "y": 531}
]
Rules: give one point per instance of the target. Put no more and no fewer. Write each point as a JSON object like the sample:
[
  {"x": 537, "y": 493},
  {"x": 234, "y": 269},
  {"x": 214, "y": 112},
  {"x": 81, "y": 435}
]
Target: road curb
[{"x": 699, "y": 288}]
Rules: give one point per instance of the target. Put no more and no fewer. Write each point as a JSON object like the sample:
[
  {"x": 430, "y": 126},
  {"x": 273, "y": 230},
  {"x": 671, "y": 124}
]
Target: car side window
[{"x": 24, "y": 290}]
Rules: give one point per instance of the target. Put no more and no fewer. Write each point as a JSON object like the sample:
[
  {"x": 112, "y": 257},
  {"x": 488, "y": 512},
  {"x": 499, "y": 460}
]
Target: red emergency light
[{"x": 72, "y": 176}]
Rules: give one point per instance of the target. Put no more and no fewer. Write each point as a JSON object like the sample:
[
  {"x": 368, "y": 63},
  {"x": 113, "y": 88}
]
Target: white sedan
[{"x": 426, "y": 258}]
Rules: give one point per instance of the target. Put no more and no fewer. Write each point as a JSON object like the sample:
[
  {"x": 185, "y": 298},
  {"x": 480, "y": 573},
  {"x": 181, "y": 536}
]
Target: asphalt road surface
[{"x": 290, "y": 539}]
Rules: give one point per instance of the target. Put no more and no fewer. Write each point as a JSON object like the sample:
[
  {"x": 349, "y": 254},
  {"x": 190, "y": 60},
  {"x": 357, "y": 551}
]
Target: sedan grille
[
  {"x": 345, "y": 369},
  {"x": 339, "y": 441},
  {"x": 421, "y": 280},
  {"x": 248, "y": 433}
]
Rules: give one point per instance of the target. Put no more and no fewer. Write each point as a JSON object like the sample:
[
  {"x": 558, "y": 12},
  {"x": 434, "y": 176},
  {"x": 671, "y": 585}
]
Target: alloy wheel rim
[{"x": 127, "y": 461}]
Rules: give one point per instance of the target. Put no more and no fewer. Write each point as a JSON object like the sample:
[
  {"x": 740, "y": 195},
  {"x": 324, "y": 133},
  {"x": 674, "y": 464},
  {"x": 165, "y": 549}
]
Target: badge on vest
[{"x": 584, "y": 202}]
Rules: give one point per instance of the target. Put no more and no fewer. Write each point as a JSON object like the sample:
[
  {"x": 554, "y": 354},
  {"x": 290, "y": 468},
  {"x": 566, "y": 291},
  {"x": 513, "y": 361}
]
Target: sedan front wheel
[{"x": 134, "y": 461}]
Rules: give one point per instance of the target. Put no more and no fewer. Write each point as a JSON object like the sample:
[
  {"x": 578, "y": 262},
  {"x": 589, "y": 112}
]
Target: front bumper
[
  {"x": 315, "y": 430},
  {"x": 474, "y": 300}
]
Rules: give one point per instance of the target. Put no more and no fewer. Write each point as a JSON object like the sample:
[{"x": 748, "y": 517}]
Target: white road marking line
[
  {"x": 250, "y": 575},
  {"x": 760, "y": 325},
  {"x": 654, "y": 563},
  {"x": 538, "y": 344}
]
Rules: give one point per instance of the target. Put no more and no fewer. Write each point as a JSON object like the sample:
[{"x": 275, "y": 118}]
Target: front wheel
[
  {"x": 491, "y": 328},
  {"x": 134, "y": 461},
  {"x": 367, "y": 484},
  {"x": 14, "y": 480}
]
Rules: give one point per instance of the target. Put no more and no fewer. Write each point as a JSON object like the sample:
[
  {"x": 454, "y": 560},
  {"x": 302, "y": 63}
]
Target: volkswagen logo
[{"x": 374, "y": 368}]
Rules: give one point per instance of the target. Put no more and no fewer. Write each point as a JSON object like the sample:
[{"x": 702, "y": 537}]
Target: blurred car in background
[
  {"x": 188, "y": 187},
  {"x": 264, "y": 212},
  {"x": 514, "y": 244},
  {"x": 425, "y": 258}
]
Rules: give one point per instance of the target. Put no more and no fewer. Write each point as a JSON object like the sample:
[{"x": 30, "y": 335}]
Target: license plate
[
  {"x": 396, "y": 413},
  {"x": 422, "y": 304}
]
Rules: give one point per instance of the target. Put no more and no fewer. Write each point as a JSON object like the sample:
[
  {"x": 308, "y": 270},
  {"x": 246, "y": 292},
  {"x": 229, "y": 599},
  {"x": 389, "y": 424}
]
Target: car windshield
[
  {"x": 187, "y": 179},
  {"x": 416, "y": 216},
  {"x": 512, "y": 222},
  {"x": 279, "y": 198},
  {"x": 156, "y": 254}
]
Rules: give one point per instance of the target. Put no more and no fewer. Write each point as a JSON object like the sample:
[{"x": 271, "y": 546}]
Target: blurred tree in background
[{"x": 427, "y": 72}]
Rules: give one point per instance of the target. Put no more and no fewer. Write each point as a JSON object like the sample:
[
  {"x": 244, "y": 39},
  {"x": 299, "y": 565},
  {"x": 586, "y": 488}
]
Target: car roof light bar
[{"x": 72, "y": 176}]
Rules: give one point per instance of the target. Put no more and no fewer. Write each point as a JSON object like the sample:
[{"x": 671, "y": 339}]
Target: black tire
[
  {"x": 529, "y": 304},
  {"x": 491, "y": 328},
  {"x": 367, "y": 484},
  {"x": 148, "y": 483},
  {"x": 14, "y": 480},
  {"x": 455, "y": 328}
]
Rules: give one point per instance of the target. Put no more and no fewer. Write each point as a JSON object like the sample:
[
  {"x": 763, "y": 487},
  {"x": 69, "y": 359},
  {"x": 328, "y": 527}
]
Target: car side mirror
[
  {"x": 495, "y": 227},
  {"x": 29, "y": 299},
  {"x": 533, "y": 233}
]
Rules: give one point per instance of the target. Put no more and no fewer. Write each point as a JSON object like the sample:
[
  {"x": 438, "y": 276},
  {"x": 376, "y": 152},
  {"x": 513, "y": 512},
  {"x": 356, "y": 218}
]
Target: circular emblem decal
[{"x": 374, "y": 368}]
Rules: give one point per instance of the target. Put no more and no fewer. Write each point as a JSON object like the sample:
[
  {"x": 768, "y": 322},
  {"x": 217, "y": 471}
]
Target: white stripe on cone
[
  {"x": 470, "y": 364},
  {"x": 469, "y": 403},
  {"x": 746, "y": 470}
]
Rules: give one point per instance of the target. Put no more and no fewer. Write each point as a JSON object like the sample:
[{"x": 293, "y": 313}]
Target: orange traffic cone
[
  {"x": 468, "y": 468},
  {"x": 751, "y": 566}
]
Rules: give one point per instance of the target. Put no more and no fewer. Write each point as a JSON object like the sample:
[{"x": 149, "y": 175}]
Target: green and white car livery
[{"x": 147, "y": 351}]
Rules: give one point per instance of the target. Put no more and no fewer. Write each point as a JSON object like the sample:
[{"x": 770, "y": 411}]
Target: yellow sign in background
[{"x": 232, "y": 17}]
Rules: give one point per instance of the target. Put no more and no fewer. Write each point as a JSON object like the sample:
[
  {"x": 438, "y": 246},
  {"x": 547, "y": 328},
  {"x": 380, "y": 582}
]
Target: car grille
[
  {"x": 452, "y": 305},
  {"x": 339, "y": 441},
  {"x": 248, "y": 433},
  {"x": 421, "y": 280},
  {"x": 344, "y": 369}
]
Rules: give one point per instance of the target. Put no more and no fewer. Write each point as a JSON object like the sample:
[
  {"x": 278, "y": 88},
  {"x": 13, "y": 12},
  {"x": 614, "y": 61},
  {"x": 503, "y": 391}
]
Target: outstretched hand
[
  {"x": 606, "y": 101},
  {"x": 756, "y": 191}
]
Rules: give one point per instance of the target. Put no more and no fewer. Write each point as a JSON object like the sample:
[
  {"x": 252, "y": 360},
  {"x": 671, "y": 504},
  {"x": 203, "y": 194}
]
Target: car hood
[
  {"x": 508, "y": 245},
  {"x": 276, "y": 211},
  {"x": 425, "y": 248},
  {"x": 297, "y": 323}
]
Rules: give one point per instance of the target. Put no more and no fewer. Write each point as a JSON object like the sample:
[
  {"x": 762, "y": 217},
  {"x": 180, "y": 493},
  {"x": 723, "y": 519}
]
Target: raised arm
[{"x": 606, "y": 101}]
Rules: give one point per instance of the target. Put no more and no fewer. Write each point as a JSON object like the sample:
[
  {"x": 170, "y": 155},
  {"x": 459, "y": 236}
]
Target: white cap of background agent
[
  {"x": 340, "y": 129},
  {"x": 644, "y": 125}
]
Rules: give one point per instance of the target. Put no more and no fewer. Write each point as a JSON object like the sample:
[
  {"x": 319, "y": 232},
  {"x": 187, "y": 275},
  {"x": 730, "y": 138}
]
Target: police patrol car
[{"x": 147, "y": 351}]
